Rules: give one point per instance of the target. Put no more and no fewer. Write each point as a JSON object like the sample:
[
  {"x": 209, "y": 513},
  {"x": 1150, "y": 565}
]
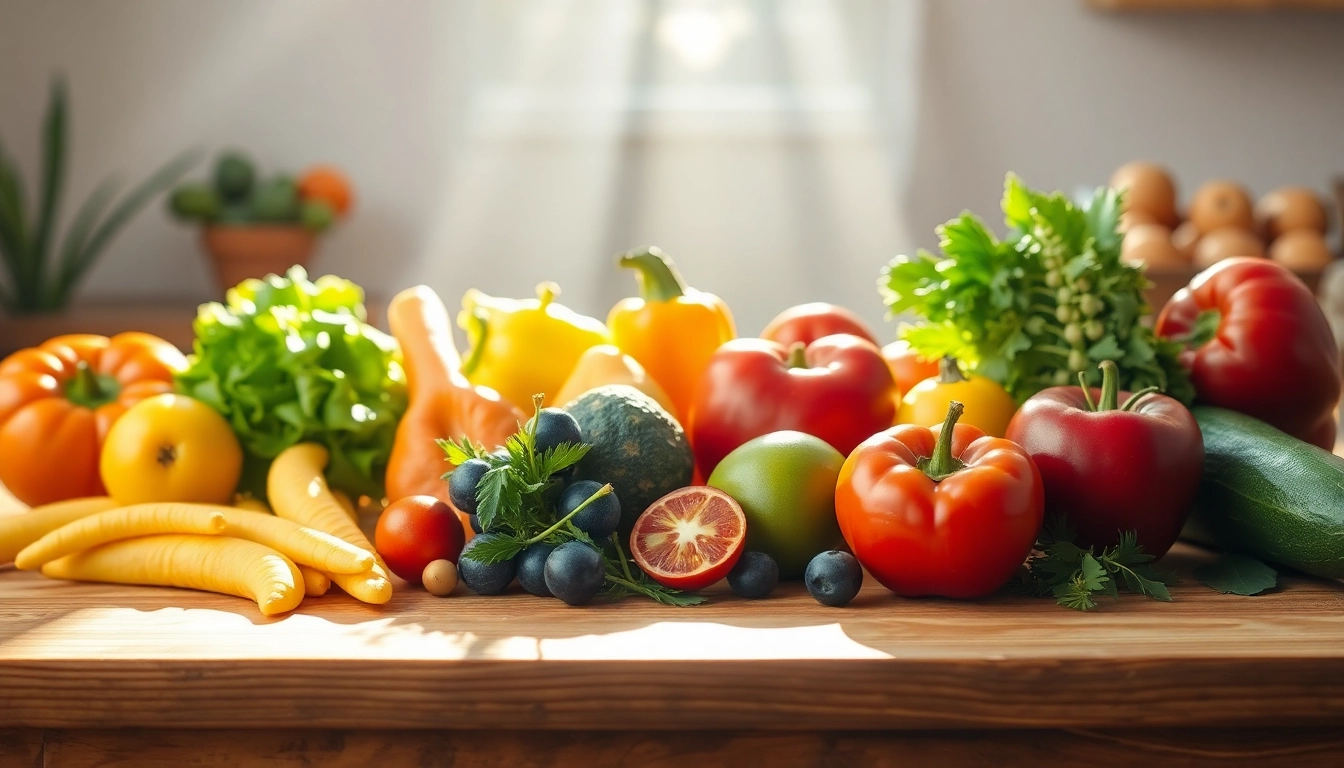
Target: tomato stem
[
  {"x": 620, "y": 553},
  {"x": 658, "y": 279},
  {"x": 797, "y": 355},
  {"x": 949, "y": 372},
  {"x": 942, "y": 464}
]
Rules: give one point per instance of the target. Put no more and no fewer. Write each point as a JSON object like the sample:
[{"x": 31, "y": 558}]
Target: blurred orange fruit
[{"x": 328, "y": 185}]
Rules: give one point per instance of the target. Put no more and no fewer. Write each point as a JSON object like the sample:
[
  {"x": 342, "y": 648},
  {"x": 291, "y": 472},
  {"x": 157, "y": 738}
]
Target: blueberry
[
  {"x": 532, "y": 568},
  {"x": 475, "y": 523},
  {"x": 462, "y": 484},
  {"x": 598, "y": 519},
  {"x": 574, "y": 572},
  {"x": 755, "y": 576},
  {"x": 483, "y": 578},
  {"x": 833, "y": 578},
  {"x": 555, "y": 427}
]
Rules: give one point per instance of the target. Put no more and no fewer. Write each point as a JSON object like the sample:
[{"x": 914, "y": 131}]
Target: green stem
[
  {"x": 1087, "y": 391},
  {"x": 949, "y": 372},
  {"x": 797, "y": 355},
  {"x": 88, "y": 389},
  {"x": 480, "y": 327},
  {"x": 1110, "y": 386},
  {"x": 1134, "y": 398},
  {"x": 620, "y": 554},
  {"x": 942, "y": 465},
  {"x": 1051, "y": 349},
  {"x": 599, "y": 493},
  {"x": 658, "y": 278}
]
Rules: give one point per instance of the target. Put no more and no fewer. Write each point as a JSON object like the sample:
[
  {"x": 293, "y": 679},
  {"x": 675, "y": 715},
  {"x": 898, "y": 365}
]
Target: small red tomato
[
  {"x": 907, "y": 367},
  {"x": 414, "y": 532},
  {"x": 806, "y": 323}
]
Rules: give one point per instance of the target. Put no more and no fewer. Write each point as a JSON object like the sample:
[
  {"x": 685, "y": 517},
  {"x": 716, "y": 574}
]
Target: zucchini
[{"x": 1268, "y": 494}]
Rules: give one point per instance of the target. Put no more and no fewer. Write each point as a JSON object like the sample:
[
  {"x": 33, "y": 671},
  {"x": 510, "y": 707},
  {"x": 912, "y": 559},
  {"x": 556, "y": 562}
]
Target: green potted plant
[
  {"x": 254, "y": 227},
  {"x": 39, "y": 270}
]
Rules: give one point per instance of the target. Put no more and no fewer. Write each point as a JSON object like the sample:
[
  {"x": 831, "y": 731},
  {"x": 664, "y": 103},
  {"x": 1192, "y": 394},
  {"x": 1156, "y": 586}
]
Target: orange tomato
[
  {"x": 328, "y": 185},
  {"x": 907, "y": 367},
  {"x": 58, "y": 401}
]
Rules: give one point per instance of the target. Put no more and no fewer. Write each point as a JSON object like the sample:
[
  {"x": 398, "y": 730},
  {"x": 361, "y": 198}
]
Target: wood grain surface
[
  {"x": 1289, "y": 748},
  {"x": 76, "y": 655}
]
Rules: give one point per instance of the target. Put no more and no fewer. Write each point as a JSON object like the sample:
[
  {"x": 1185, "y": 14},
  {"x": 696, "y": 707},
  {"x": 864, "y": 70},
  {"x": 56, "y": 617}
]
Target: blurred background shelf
[{"x": 1217, "y": 5}]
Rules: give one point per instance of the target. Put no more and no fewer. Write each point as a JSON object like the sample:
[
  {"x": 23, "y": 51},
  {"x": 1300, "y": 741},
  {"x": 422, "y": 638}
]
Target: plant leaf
[
  {"x": 495, "y": 548},
  {"x": 13, "y": 234},
  {"x": 53, "y": 176},
  {"x": 78, "y": 234},
  {"x": 1234, "y": 574},
  {"x": 157, "y": 182},
  {"x": 562, "y": 457}
]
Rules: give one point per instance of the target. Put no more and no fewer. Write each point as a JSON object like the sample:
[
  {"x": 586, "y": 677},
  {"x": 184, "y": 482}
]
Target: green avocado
[{"x": 636, "y": 446}]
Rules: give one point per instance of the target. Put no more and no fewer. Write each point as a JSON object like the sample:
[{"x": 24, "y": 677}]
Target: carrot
[
  {"x": 20, "y": 530},
  {"x": 305, "y": 546},
  {"x": 298, "y": 492},
  {"x": 117, "y": 524},
  {"x": 315, "y": 582},
  {"x": 208, "y": 563}
]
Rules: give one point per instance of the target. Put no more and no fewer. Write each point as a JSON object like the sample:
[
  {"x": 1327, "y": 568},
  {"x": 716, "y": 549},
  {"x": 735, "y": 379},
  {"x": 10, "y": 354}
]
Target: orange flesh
[{"x": 688, "y": 533}]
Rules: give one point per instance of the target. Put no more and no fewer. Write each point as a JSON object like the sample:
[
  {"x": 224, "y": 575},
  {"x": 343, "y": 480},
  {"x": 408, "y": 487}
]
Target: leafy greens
[
  {"x": 1032, "y": 311},
  {"x": 288, "y": 360}
]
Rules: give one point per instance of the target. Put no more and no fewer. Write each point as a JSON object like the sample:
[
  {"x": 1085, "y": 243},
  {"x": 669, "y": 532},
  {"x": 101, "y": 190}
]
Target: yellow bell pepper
[
  {"x": 988, "y": 405},
  {"x": 605, "y": 364},
  {"x": 523, "y": 347},
  {"x": 672, "y": 330}
]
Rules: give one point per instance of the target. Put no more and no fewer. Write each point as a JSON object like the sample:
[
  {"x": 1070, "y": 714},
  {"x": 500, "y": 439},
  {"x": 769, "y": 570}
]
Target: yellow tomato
[
  {"x": 171, "y": 448},
  {"x": 988, "y": 405}
]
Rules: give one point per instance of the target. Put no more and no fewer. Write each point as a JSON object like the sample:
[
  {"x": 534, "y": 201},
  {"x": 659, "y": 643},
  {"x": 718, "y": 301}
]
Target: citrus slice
[{"x": 690, "y": 538}]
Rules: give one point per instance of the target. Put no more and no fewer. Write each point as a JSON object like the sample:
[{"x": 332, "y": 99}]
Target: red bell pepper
[
  {"x": 952, "y": 513},
  {"x": 838, "y": 388},
  {"x": 1257, "y": 342},
  {"x": 809, "y": 322},
  {"x": 1111, "y": 468}
]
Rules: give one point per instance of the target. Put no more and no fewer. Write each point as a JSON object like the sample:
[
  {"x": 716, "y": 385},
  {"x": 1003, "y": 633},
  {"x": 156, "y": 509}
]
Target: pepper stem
[
  {"x": 476, "y": 332},
  {"x": 1110, "y": 386},
  {"x": 88, "y": 389},
  {"x": 546, "y": 293},
  {"x": 658, "y": 278},
  {"x": 1134, "y": 398},
  {"x": 797, "y": 355},
  {"x": 942, "y": 464},
  {"x": 1087, "y": 391},
  {"x": 949, "y": 372}
]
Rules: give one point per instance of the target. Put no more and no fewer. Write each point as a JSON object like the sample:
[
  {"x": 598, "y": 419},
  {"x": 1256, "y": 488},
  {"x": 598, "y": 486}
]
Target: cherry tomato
[{"x": 414, "y": 532}]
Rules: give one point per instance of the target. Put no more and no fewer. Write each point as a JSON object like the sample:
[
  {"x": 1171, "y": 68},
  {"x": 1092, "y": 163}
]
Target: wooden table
[{"x": 110, "y": 676}]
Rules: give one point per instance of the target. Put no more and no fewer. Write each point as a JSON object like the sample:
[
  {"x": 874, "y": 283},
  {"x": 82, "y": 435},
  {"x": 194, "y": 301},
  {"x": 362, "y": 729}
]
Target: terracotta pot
[{"x": 240, "y": 252}]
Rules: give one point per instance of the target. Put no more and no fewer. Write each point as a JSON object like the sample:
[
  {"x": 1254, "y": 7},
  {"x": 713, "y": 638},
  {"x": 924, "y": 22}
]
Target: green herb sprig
[
  {"x": 516, "y": 504},
  {"x": 1050, "y": 300},
  {"x": 1075, "y": 576}
]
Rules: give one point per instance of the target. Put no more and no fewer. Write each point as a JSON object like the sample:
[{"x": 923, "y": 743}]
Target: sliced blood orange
[{"x": 690, "y": 538}]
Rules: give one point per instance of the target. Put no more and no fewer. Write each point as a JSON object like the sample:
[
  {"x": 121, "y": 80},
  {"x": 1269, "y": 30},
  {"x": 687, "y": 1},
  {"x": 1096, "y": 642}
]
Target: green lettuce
[{"x": 287, "y": 360}]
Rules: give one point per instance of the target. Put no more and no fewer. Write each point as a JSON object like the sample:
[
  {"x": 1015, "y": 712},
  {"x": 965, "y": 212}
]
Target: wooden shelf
[{"x": 1217, "y": 5}]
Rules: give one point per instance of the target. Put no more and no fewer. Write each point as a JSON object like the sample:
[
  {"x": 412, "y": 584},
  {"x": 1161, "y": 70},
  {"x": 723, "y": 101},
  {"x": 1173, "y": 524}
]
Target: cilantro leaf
[
  {"x": 1073, "y": 575},
  {"x": 495, "y": 548},
  {"x": 1234, "y": 574}
]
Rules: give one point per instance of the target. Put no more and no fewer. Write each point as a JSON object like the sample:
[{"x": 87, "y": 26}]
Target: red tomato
[
  {"x": 414, "y": 532},
  {"x": 806, "y": 323}
]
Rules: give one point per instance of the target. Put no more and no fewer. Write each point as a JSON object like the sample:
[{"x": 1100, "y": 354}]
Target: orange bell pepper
[
  {"x": 672, "y": 330},
  {"x": 442, "y": 403},
  {"x": 59, "y": 399}
]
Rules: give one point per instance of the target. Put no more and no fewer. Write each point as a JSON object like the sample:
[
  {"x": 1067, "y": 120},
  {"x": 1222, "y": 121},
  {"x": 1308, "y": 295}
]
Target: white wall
[{"x": 766, "y": 218}]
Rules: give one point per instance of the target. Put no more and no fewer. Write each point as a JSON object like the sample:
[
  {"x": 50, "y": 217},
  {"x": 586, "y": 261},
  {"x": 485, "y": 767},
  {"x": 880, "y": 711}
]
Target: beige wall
[{"x": 766, "y": 218}]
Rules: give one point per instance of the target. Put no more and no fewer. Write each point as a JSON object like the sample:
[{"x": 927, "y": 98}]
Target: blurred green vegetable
[
  {"x": 196, "y": 201},
  {"x": 317, "y": 215},
  {"x": 276, "y": 200},
  {"x": 287, "y": 360},
  {"x": 35, "y": 275},
  {"x": 234, "y": 176}
]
